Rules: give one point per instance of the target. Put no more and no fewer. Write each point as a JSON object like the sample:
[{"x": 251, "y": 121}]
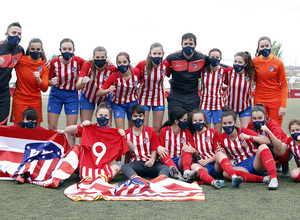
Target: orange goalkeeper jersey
[
  {"x": 271, "y": 83},
  {"x": 27, "y": 87}
]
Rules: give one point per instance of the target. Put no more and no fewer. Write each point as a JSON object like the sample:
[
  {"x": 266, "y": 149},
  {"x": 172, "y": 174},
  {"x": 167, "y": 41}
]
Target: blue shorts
[
  {"x": 211, "y": 170},
  {"x": 59, "y": 97},
  {"x": 215, "y": 114},
  {"x": 248, "y": 165},
  {"x": 85, "y": 104},
  {"x": 176, "y": 161},
  {"x": 246, "y": 113},
  {"x": 120, "y": 110},
  {"x": 154, "y": 108}
]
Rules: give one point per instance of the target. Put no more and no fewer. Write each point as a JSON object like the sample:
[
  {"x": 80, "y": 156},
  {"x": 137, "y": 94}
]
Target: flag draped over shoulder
[
  {"x": 99, "y": 147},
  {"x": 161, "y": 188},
  {"x": 36, "y": 152}
]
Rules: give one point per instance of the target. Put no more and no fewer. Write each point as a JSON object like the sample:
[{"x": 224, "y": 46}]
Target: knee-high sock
[
  {"x": 186, "y": 158},
  {"x": 167, "y": 160},
  {"x": 203, "y": 175},
  {"x": 248, "y": 177},
  {"x": 268, "y": 161},
  {"x": 227, "y": 167},
  {"x": 284, "y": 159},
  {"x": 298, "y": 178}
]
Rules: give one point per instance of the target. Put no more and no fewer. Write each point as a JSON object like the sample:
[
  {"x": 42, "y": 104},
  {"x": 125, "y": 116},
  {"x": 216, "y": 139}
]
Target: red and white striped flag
[
  {"x": 161, "y": 188},
  {"x": 36, "y": 152}
]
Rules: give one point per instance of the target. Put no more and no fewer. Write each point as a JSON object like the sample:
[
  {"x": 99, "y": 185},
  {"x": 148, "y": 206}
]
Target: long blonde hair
[{"x": 149, "y": 64}]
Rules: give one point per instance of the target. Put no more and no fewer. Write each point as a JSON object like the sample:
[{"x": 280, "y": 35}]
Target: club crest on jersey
[
  {"x": 168, "y": 139},
  {"x": 105, "y": 77},
  {"x": 243, "y": 142},
  {"x": 271, "y": 68},
  {"x": 134, "y": 83},
  {"x": 195, "y": 65},
  {"x": 74, "y": 69},
  {"x": 162, "y": 72},
  {"x": 146, "y": 140},
  {"x": 207, "y": 139},
  {"x": 40, "y": 68},
  {"x": 247, "y": 78},
  {"x": 15, "y": 61},
  {"x": 182, "y": 140},
  {"x": 220, "y": 76}
]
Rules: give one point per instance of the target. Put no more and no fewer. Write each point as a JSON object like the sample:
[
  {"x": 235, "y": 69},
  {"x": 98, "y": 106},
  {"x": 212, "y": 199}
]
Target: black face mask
[
  {"x": 30, "y": 124},
  {"x": 100, "y": 63}
]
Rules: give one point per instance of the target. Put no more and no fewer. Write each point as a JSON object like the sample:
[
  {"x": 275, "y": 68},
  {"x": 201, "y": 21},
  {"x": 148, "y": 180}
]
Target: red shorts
[{"x": 19, "y": 107}]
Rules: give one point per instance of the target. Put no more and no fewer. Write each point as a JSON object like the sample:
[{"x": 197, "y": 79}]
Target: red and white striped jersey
[
  {"x": 239, "y": 150},
  {"x": 90, "y": 89},
  {"x": 206, "y": 143},
  {"x": 144, "y": 143},
  {"x": 175, "y": 142},
  {"x": 211, "y": 92},
  {"x": 152, "y": 89},
  {"x": 239, "y": 90},
  {"x": 294, "y": 148},
  {"x": 273, "y": 127},
  {"x": 125, "y": 89},
  {"x": 67, "y": 73}
]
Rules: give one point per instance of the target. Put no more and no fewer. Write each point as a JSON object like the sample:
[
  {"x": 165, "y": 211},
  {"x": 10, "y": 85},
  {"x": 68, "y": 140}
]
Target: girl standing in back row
[
  {"x": 123, "y": 83},
  {"x": 64, "y": 71},
  {"x": 271, "y": 84},
  {"x": 152, "y": 95},
  {"x": 239, "y": 80},
  {"x": 92, "y": 76},
  {"x": 212, "y": 97},
  {"x": 32, "y": 78}
]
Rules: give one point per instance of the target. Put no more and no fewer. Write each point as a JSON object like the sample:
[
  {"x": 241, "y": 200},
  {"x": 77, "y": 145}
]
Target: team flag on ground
[
  {"x": 36, "y": 152},
  {"x": 161, "y": 188}
]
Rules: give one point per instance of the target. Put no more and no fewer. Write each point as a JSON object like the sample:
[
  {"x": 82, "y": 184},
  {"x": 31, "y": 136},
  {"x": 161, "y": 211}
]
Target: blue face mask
[
  {"x": 295, "y": 136},
  {"x": 14, "y": 40},
  {"x": 188, "y": 50},
  {"x": 156, "y": 60},
  {"x": 238, "y": 68},
  {"x": 228, "y": 129},
  {"x": 35, "y": 55},
  {"x": 102, "y": 121},
  {"x": 29, "y": 124},
  {"x": 199, "y": 126},
  {"x": 123, "y": 68},
  {"x": 183, "y": 124},
  {"x": 214, "y": 62},
  {"x": 138, "y": 122},
  {"x": 67, "y": 55},
  {"x": 258, "y": 124},
  {"x": 265, "y": 52},
  {"x": 100, "y": 63}
]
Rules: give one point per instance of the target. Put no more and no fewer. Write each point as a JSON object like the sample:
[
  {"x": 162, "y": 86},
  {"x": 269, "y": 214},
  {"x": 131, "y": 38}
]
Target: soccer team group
[{"x": 184, "y": 147}]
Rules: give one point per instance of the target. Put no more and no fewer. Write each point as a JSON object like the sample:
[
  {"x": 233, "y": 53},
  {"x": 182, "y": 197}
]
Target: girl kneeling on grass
[
  {"x": 176, "y": 145},
  {"x": 206, "y": 141},
  {"x": 238, "y": 144},
  {"x": 103, "y": 117},
  {"x": 270, "y": 128},
  {"x": 29, "y": 120},
  {"x": 294, "y": 146}
]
